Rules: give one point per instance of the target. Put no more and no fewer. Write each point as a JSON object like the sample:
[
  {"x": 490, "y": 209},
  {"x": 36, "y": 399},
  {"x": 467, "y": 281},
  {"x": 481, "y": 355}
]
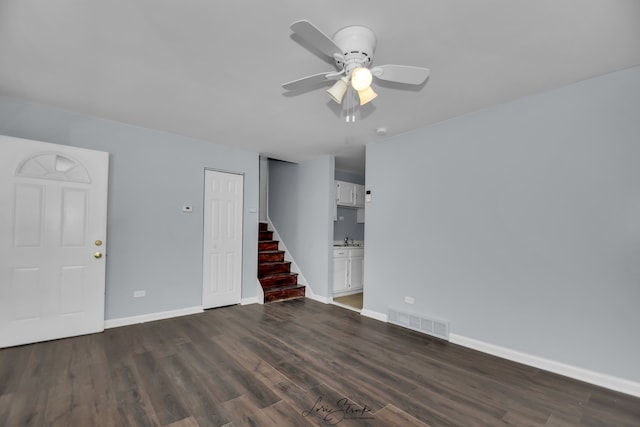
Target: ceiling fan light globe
[
  {"x": 366, "y": 95},
  {"x": 337, "y": 91},
  {"x": 361, "y": 78}
]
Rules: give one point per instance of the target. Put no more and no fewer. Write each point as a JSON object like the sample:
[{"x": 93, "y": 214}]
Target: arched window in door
[{"x": 53, "y": 166}]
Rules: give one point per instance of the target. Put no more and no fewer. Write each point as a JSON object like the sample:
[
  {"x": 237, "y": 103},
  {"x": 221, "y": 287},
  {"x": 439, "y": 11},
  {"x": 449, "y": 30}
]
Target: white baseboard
[
  {"x": 308, "y": 293},
  {"x": 252, "y": 300},
  {"x": 374, "y": 315},
  {"x": 124, "y": 321},
  {"x": 260, "y": 292},
  {"x": 597, "y": 378}
]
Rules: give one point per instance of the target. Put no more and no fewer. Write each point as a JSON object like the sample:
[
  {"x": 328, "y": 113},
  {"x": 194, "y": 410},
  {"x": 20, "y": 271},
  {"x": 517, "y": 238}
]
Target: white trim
[
  {"x": 125, "y": 321},
  {"x": 260, "y": 296},
  {"x": 348, "y": 307},
  {"x": 252, "y": 300},
  {"x": 347, "y": 293},
  {"x": 308, "y": 293},
  {"x": 592, "y": 377},
  {"x": 287, "y": 254},
  {"x": 374, "y": 315}
]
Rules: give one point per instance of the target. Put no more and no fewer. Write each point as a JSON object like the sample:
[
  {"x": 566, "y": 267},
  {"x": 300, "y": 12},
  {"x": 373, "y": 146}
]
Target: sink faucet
[{"x": 346, "y": 241}]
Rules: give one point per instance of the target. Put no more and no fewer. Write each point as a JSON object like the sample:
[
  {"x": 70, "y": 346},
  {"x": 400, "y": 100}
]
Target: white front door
[
  {"x": 222, "y": 252},
  {"x": 53, "y": 221}
]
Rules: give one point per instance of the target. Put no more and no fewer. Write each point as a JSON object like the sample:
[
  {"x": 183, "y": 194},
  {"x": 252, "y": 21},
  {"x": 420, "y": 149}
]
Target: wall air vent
[{"x": 431, "y": 326}]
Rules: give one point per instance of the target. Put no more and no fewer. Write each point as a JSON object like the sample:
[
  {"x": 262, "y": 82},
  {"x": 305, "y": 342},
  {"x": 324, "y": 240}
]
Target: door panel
[
  {"x": 28, "y": 217},
  {"x": 53, "y": 205},
  {"x": 222, "y": 249},
  {"x": 74, "y": 207}
]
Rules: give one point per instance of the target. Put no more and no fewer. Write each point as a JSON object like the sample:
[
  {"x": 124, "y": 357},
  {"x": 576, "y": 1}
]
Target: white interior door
[
  {"x": 222, "y": 252},
  {"x": 53, "y": 220}
]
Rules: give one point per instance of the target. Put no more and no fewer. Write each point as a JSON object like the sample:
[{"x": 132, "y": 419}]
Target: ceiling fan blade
[
  {"x": 401, "y": 73},
  {"x": 312, "y": 80},
  {"x": 315, "y": 37}
]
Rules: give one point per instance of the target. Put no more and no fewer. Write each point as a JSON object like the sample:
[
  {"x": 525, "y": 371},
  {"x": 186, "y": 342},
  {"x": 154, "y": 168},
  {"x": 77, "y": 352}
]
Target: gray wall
[
  {"x": 342, "y": 175},
  {"x": 520, "y": 224},
  {"x": 348, "y": 226},
  {"x": 301, "y": 209},
  {"x": 151, "y": 244}
]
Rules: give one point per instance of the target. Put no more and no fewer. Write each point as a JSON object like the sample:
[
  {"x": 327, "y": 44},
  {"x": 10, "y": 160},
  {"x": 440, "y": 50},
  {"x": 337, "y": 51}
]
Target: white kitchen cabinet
[
  {"x": 348, "y": 268},
  {"x": 345, "y": 193},
  {"x": 349, "y": 194},
  {"x": 359, "y": 195},
  {"x": 356, "y": 269},
  {"x": 340, "y": 270}
]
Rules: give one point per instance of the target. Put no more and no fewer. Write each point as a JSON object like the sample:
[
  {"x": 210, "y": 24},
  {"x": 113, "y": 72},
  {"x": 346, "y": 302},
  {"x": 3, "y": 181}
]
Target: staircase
[{"x": 274, "y": 273}]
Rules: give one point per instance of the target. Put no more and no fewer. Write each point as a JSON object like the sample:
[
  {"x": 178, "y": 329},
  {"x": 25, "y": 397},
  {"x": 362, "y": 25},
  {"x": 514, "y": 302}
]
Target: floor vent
[{"x": 437, "y": 328}]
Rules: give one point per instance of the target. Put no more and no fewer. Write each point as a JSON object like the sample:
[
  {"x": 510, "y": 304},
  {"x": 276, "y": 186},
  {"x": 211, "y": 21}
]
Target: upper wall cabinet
[{"x": 349, "y": 194}]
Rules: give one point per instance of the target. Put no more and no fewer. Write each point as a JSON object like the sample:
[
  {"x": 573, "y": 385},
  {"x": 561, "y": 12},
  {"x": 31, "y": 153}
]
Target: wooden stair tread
[
  {"x": 284, "y": 288},
  {"x": 279, "y": 275}
]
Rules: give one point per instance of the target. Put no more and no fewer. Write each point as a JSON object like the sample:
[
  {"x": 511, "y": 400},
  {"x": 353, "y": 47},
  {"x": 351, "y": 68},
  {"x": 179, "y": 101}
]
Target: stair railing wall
[{"x": 289, "y": 257}]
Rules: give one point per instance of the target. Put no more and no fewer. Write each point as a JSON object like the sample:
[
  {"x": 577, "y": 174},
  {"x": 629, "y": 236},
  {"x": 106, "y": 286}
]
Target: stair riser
[
  {"x": 270, "y": 257},
  {"x": 265, "y": 235},
  {"x": 279, "y": 295},
  {"x": 279, "y": 281},
  {"x": 262, "y": 226},
  {"x": 267, "y": 269},
  {"x": 268, "y": 246}
]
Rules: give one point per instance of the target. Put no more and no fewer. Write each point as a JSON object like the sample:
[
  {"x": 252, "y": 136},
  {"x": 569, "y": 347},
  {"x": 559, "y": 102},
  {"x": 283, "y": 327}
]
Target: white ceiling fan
[{"x": 352, "y": 49}]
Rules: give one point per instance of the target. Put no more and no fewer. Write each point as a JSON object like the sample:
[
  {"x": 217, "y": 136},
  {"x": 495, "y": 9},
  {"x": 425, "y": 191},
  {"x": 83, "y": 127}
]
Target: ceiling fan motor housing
[{"x": 357, "y": 44}]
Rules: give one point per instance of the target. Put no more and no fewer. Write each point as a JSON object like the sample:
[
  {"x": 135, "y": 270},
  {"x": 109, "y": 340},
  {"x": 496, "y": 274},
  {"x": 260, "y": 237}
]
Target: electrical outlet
[
  {"x": 409, "y": 300},
  {"x": 139, "y": 294}
]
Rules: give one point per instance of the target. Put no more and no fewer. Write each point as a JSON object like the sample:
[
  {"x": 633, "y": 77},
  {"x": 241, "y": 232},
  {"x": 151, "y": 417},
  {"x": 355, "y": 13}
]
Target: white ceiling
[{"x": 212, "y": 69}]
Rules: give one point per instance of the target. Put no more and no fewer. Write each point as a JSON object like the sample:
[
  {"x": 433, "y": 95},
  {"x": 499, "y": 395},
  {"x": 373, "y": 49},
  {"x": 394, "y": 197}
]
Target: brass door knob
[{"x": 98, "y": 255}]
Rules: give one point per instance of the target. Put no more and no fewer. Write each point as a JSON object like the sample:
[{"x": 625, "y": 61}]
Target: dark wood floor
[{"x": 293, "y": 363}]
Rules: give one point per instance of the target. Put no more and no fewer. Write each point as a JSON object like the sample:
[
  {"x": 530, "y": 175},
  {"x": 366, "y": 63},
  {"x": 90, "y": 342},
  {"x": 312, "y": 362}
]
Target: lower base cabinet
[{"x": 348, "y": 269}]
